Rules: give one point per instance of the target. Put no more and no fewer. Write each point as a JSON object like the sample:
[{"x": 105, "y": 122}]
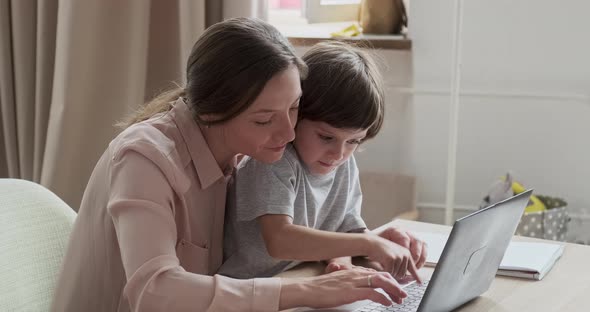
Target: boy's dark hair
[{"x": 343, "y": 88}]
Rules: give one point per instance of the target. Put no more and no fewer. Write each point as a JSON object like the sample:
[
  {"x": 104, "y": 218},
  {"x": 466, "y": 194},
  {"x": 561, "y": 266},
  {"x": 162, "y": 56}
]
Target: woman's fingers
[
  {"x": 404, "y": 280},
  {"x": 358, "y": 294},
  {"x": 374, "y": 296},
  {"x": 386, "y": 282},
  {"x": 347, "y": 286}
]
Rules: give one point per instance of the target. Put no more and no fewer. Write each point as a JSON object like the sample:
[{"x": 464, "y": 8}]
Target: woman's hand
[
  {"x": 406, "y": 239},
  {"x": 343, "y": 263},
  {"x": 338, "y": 288},
  {"x": 393, "y": 258}
]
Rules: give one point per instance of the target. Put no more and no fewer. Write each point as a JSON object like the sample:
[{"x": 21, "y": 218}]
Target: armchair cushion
[{"x": 34, "y": 228}]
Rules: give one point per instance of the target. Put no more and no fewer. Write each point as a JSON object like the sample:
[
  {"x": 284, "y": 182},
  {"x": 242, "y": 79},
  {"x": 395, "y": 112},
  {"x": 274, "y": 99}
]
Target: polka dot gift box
[
  {"x": 550, "y": 223},
  {"x": 545, "y": 217}
]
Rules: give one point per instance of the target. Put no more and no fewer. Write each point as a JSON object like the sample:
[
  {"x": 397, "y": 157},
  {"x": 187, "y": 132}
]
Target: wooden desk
[{"x": 565, "y": 288}]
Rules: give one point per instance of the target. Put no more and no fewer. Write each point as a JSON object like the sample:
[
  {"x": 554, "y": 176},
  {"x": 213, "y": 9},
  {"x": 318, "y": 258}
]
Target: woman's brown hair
[
  {"x": 343, "y": 89},
  {"x": 227, "y": 69}
]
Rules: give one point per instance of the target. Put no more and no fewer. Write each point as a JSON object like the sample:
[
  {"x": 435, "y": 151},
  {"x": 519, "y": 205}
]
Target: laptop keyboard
[{"x": 410, "y": 304}]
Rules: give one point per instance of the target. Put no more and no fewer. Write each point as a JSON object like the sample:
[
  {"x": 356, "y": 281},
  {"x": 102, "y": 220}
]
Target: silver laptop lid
[{"x": 472, "y": 255}]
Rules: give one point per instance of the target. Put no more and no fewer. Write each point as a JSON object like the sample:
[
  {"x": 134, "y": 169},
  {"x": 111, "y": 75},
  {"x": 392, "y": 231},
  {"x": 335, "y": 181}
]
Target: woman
[{"x": 148, "y": 236}]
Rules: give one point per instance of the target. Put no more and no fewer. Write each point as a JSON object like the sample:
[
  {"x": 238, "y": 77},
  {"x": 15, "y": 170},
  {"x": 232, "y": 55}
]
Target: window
[
  {"x": 326, "y": 11},
  {"x": 306, "y": 22},
  {"x": 286, "y": 12},
  {"x": 292, "y": 12}
]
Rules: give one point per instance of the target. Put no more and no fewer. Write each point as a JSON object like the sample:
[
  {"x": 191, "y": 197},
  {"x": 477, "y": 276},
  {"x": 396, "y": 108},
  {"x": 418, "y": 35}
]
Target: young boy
[{"x": 306, "y": 206}]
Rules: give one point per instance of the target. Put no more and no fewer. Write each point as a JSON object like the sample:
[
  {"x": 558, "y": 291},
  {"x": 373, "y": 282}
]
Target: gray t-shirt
[{"x": 330, "y": 202}]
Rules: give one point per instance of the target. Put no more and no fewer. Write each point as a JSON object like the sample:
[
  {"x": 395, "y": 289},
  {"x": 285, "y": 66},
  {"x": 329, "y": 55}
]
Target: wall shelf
[{"x": 310, "y": 34}]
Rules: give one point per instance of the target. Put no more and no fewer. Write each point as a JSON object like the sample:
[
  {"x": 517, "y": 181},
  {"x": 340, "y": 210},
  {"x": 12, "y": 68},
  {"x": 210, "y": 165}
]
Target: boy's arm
[{"x": 287, "y": 241}]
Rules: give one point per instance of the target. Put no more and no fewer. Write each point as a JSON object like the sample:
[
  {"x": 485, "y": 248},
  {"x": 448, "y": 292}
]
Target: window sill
[{"x": 310, "y": 34}]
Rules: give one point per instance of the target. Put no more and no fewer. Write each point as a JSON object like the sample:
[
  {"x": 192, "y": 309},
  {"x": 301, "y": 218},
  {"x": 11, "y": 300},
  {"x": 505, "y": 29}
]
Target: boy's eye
[
  {"x": 324, "y": 137},
  {"x": 294, "y": 108},
  {"x": 357, "y": 142}
]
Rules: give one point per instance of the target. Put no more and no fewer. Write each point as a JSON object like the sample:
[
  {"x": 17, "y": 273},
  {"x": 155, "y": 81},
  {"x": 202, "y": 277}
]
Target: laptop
[{"x": 468, "y": 264}]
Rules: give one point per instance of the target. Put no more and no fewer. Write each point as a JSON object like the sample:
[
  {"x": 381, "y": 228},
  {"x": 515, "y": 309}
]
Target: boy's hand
[
  {"x": 394, "y": 258},
  {"x": 406, "y": 239}
]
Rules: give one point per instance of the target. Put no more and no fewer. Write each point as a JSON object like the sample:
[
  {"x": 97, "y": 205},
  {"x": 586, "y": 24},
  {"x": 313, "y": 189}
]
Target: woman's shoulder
[
  {"x": 142, "y": 137},
  {"x": 157, "y": 146}
]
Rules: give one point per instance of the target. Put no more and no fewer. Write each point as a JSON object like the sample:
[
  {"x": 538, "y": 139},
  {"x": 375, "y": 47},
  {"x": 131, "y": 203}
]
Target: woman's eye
[{"x": 262, "y": 123}]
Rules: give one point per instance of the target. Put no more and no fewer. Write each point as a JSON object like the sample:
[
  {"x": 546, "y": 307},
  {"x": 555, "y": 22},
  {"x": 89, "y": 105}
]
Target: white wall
[{"x": 524, "y": 104}]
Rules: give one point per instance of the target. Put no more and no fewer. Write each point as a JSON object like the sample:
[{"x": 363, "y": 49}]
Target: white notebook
[{"x": 532, "y": 260}]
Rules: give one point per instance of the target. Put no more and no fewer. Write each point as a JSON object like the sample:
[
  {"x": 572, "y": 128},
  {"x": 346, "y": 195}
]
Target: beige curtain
[{"x": 70, "y": 69}]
